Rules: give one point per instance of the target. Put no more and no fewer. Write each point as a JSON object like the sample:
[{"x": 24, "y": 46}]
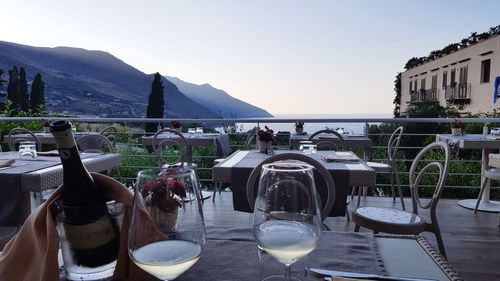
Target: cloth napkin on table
[
  {"x": 341, "y": 157},
  {"x": 6, "y": 163},
  {"x": 32, "y": 254}
]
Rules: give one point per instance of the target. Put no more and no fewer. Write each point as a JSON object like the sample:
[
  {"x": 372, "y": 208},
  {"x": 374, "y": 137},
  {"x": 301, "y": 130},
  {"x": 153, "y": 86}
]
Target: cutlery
[{"x": 364, "y": 275}]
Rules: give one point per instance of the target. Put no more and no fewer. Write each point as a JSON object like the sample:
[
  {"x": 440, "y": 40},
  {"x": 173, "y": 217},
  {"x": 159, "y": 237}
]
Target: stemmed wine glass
[
  {"x": 287, "y": 219},
  {"x": 167, "y": 233}
]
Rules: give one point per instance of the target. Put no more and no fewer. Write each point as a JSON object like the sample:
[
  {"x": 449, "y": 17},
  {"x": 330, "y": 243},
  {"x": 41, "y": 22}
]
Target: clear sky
[{"x": 286, "y": 56}]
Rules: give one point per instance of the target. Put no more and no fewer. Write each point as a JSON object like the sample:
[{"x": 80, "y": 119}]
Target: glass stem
[{"x": 288, "y": 274}]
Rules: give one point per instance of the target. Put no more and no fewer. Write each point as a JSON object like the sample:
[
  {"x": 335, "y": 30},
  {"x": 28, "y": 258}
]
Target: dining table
[
  {"x": 219, "y": 141},
  {"x": 38, "y": 174},
  {"x": 347, "y": 171},
  {"x": 487, "y": 144},
  {"x": 45, "y": 138},
  {"x": 350, "y": 141}
]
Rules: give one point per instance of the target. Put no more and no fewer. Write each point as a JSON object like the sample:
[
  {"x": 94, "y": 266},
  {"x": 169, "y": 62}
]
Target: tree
[
  {"x": 155, "y": 102},
  {"x": 12, "y": 87},
  {"x": 1, "y": 80},
  {"x": 397, "y": 98},
  {"x": 22, "y": 91},
  {"x": 37, "y": 97}
]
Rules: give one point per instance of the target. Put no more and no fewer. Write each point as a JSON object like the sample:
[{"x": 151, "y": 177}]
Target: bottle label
[
  {"x": 89, "y": 236},
  {"x": 64, "y": 139}
]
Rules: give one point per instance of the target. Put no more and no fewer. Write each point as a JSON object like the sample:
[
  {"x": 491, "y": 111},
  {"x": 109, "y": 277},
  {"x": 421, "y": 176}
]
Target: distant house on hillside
[{"x": 464, "y": 78}]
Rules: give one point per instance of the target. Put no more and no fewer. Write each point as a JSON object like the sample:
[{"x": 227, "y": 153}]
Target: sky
[{"x": 286, "y": 56}]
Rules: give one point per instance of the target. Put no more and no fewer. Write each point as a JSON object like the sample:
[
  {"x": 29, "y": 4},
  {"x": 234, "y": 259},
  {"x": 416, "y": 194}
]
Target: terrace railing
[{"x": 463, "y": 180}]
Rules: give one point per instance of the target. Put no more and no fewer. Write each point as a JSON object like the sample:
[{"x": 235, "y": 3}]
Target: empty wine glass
[
  {"x": 167, "y": 233},
  {"x": 287, "y": 219}
]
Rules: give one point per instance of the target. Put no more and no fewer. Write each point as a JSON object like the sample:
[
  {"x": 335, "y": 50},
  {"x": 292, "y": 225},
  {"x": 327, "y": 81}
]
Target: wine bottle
[{"x": 90, "y": 230}]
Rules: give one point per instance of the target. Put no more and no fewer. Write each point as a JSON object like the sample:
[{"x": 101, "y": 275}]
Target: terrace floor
[{"x": 472, "y": 241}]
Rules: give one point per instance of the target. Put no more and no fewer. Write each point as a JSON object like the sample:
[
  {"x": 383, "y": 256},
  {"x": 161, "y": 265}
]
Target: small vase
[
  {"x": 456, "y": 131},
  {"x": 178, "y": 129},
  {"x": 46, "y": 129},
  {"x": 299, "y": 131},
  {"x": 165, "y": 222},
  {"x": 264, "y": 145}
]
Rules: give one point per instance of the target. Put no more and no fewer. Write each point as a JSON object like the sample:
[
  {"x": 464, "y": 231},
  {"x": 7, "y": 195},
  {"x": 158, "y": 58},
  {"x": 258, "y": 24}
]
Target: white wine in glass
[
  {"x": 167, "y": 232},
  {"x": 287, "y": 219}
]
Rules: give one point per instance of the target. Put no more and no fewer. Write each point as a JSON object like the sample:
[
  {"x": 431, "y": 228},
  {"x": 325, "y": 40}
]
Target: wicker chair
[
  {"x": 326, "y": 203},
  {"x": 27, "y": 136},
  {"x": 395, "y": 221}
]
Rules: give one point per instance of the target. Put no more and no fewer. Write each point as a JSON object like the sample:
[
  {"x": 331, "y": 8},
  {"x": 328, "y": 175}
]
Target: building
[{"x": 464, "y": 78}]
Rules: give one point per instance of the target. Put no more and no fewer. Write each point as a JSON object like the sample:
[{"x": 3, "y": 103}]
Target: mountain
[
  {"x": 218, "y": 101},
  {"x": 84, "y": 82}
]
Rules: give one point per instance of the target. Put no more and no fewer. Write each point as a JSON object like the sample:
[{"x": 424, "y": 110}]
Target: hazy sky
[{"x": 300, "y": 57}]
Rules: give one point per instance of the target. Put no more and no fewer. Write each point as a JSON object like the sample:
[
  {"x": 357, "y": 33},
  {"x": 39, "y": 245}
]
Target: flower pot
[
  {"x": 166, "y": 222},
  {"x": 264, "y": 145},
  {"x": 178, "y": 129},
  {"x": 456, "y": 131},
  {"x": 299, "y": 131},
  {"x": 46, "y": 129}
]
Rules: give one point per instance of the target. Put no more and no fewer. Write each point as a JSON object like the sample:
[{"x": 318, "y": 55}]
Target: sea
[{"x": 353, "y": 128}]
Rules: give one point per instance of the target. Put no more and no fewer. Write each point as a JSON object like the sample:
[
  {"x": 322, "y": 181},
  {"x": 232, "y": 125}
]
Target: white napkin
[{"x": 6, "y": 163}]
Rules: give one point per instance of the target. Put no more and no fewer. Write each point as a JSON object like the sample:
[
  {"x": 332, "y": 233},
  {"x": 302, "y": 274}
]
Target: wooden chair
[
  {"x": 390, "y": 167},
  {"x": 395, "y": 221},
  {"x": 332, "y": 140},
  {"x": 27, "y": 136},
  {"x": 326, "y": 203}
]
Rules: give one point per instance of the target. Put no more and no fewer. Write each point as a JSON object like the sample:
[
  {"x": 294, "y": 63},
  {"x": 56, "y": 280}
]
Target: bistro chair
[
  {"x": 27, "y": 135},
  {"x": 97, "y": 143},
  {"x": 327, "y": 139},
  {"x": 492, "y": 172},
  {"x": 391, "y": 220},
  {"x": 388, "y": 168},
  {"x": 111, "y": 133},
  {"x": 248, "y": 145},
  {"x": 325, "y": 203}
]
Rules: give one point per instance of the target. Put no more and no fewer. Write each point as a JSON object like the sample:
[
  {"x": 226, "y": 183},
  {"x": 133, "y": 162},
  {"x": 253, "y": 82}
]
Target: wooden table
[
  {"x": 487, "y": 145},
  {"x": 350, "y": 141},
  {"x": 237, "y": 168}
]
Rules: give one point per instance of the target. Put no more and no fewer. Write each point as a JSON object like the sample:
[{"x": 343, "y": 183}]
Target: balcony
[
  {"x": 472, "y": 240},
  {"x": 424, "y": 95},
  {"x": 459, "y": 92}
]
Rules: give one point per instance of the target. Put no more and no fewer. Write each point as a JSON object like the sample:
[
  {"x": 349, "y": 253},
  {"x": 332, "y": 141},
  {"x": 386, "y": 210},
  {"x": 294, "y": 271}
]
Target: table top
[{"x": 472, "y": 141}]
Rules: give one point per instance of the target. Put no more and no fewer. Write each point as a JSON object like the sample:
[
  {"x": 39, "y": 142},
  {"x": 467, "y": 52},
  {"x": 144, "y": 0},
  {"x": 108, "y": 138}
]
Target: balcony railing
[
  {"x": 458, "y": 92},
  {"x": 424, "y": 95}
]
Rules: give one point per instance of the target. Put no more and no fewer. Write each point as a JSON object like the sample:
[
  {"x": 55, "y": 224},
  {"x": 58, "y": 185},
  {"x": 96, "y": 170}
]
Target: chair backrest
[
  {"x": 336, "y": 143},
  {"x": 27, "y": 136},
  {"x": 393, "y": 146},
  {"x": 94, "y": 143},
  {"x": 111, "y": 133},
  {"x": 252, "y": 134},
  {"x": 158, "y": 144},
  {"x": 326, "y": 205},
  {"x": 421, "y": 167}
]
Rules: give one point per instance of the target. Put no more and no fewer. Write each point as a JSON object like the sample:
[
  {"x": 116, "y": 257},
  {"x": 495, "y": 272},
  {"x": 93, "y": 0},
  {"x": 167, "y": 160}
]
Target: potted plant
[
  {"x": 299, "y": 127},
  {"x": 266, "y": 138},
  {"x": 456, "y": 127},
  {"x": 176, "y": 125},
  {"x": 163, "y": 196}
]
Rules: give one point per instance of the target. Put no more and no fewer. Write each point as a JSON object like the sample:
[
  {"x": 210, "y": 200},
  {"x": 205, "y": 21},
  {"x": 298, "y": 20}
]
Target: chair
[
  {"x": 490, "y": 173},
  {"x": 27, "y": 136},
  {"x": 110, "y": 132},
  {"x": 390, "y": 167},
  {"x": 326, "y": 204},
  {"x": 97, "y": 143},
  {"x": 248, "y": 145},
  {"x": 335, "y": 143},
  {"x": 395, "y": 221}
]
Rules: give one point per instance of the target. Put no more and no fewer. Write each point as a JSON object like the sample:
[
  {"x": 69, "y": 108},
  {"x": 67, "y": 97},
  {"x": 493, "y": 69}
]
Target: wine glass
[
  {"x": 287, "y": 219},
  {"x": 167, "y": 233}
]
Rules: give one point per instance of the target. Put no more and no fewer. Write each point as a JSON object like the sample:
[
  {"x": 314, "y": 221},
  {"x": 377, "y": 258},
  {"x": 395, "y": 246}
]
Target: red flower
[
  {"x": 267, "y": 135},
  {"x": 166, "y": 193}
]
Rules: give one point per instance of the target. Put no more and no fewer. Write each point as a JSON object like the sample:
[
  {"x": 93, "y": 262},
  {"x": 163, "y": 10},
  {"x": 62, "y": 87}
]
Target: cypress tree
[
  {"x": 23, "y": 97},
  {"x": 12, "y": 87},
  {"x": 155, "y": 102},
  {"x": 1, "y": 80},
  {"x": 37, "y": 97}
]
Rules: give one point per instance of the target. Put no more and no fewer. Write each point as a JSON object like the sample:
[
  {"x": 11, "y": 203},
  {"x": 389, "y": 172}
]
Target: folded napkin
[
  {"x": 48, "y": 153},
  {"x": 32, "y": 254},
  {"x": 341, "y": 157},
  {"x": 6, "y": 163}
]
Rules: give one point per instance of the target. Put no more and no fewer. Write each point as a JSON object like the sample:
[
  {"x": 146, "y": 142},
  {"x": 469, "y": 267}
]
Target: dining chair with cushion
[
  {"x": 248, "y": 145},
  {"x": 327, "y": 139},
  {"x": 97, "y": 143},
  {"x": 325, "y": 203},
  {"x": 388, "y": 168},
  {"x": 27, "y": 135},
  {"x": 423, "y": 171}
]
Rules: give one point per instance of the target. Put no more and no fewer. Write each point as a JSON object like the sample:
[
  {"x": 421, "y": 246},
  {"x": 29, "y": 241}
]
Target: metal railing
[
  {"x": 458, "y": 92},
  {"x": 135, "y": 157},
  {"x": 424, "y": 95}
]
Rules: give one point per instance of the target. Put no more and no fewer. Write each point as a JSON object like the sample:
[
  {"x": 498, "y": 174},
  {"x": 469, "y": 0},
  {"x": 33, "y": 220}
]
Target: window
[
  {"x": 445, "y": 78},
  {"x": 485, "y": 71},
  {"x": 452, "y": 77},
  {"x": 462, "y": 79},
  {"x": 434, "y": 81},
  {"x": 422, "y": 84}
]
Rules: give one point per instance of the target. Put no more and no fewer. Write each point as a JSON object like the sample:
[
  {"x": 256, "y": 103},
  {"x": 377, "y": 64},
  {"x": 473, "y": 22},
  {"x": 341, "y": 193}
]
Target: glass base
[{"x": 280, "y": 278}]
